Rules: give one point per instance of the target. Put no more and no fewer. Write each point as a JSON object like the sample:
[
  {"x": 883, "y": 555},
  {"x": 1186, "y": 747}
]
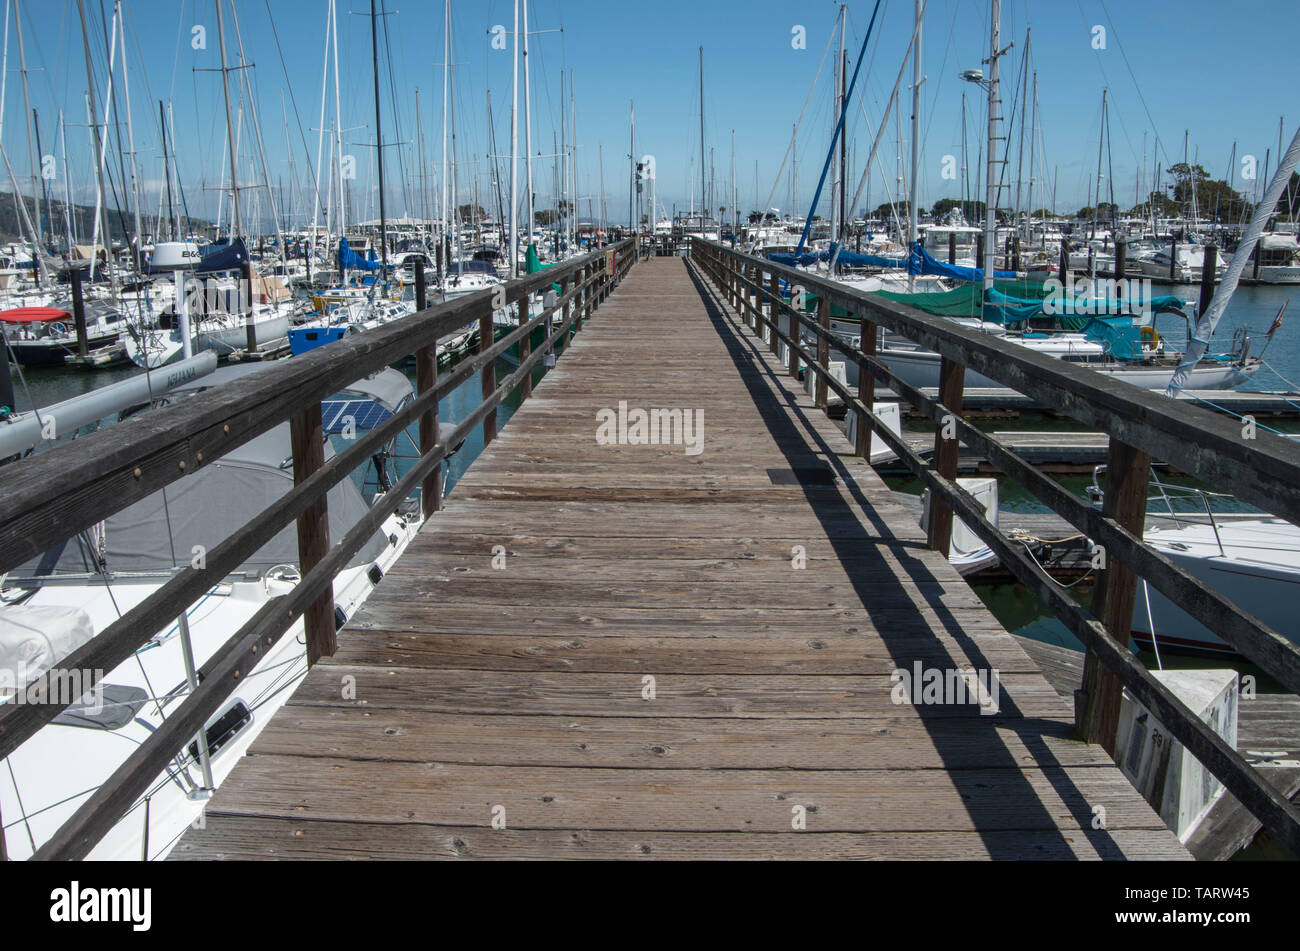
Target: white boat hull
[
  {"x": 920, "y": 368},
  {"x": 1257, "y": 568}
]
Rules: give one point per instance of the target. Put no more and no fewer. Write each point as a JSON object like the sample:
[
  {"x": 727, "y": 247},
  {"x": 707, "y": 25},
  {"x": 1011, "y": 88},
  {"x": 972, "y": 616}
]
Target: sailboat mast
[
  {"x": 338, "y": 123},
  {"x": 573, "y": 165},
  {"x": 1029, "y": 198},
  {"x": 446, "y": 75},
  {"x": 514, "y": 150},
  {"x": 130, "y": 137},
  {"x": 1101, "y": 134},
  {"x": 230, "y": 125},
  {"x": 528, "y": 129},
  {"x": 67, "y": 186},
  {"x": 837, "y": 108},
  {"x": 913, "y": 229},
  {"x": 703, "y": 198},
  {"x": 991, "y": 183},
  {"x": 379, "y": 135},
  {"x": 563, "y": 169},
  {"x": 631, "y": 161},
  {"x": 27, "y": 108}
]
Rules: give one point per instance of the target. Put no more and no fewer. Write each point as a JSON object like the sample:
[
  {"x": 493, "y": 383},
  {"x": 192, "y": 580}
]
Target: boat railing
[
  {"x": 1167, "y": 494},
  {"x": 52, "y": 496},
  {"x": 1263, "y": 471}
]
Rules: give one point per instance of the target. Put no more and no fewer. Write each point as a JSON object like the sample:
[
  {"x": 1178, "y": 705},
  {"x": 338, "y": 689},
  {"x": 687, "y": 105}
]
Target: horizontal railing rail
[
  {"x": 136, "y": 459},
  {"x": 1264, "y": 471}
]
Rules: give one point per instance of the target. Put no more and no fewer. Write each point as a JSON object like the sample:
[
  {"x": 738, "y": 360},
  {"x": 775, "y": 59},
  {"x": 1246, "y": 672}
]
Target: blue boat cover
[
  {"x": 349, "y": 260},
  {"x": 227, "y": 256},
  {"x": 918, "y": 262}
]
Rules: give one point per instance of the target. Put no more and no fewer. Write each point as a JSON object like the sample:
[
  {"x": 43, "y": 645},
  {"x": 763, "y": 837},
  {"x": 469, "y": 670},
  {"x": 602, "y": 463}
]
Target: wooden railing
[
  {"x": 1264, "y": 471},
  {"x": 52, "y": 496}
]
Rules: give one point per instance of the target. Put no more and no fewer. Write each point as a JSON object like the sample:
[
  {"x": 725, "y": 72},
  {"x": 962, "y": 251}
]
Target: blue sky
[{"x": 1181, "y": 64}]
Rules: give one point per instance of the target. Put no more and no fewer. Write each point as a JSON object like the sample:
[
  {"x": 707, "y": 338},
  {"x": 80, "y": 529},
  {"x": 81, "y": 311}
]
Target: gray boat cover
[{"x": 163, "y": 530}]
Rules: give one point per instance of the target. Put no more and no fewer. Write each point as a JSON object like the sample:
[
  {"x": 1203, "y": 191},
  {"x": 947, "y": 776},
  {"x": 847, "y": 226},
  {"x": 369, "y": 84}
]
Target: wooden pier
[
  {"x": 609, "y": 646},
  {"x": 635, "y": 651}
]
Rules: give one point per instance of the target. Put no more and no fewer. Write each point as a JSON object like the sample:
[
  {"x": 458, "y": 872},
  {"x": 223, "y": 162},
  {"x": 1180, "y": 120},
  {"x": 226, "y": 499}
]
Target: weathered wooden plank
[
  {"x": 685, "y": 800},
  {"x": 673, "y": 655},
  {"x": 256, "y": 837},
  {"x": 669, "y": 743},
  {"x": 676, "y": 695}
]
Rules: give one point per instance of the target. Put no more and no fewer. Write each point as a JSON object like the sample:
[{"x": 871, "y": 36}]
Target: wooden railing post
[
  {"x": 1097, "y": 704},
  {"x": 752, "y": 302},
  {"x": 866, "y": 387},
  {"x": 588, "y": 301},
  {"x": 307, "y": 438},
  {"x": 250, "y": 327},
  {"x": 823, "y": 349},
  {"x": 578, "y": 311},
  {"x": 426, "y": 377},
  {"x": 774, "y": 310},
  {"x": 489, "y": 373},
  {"x": 952, "y": 378},
  {"x": 794, "y": 338},
  {"x": 565, "y": 284},
  {"x": 525, "y": 346}
]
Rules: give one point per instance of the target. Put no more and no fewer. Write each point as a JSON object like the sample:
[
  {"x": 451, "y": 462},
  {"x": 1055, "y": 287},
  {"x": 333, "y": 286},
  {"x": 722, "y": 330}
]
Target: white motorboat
[{"x": 1250, "y": 558}]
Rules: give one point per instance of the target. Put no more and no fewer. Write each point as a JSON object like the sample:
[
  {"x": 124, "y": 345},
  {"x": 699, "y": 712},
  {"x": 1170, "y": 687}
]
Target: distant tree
[
  {"x": 545, "y": 217},
  {"x": 970, "y": 210},
  {"x": 1216, "y": 200}
]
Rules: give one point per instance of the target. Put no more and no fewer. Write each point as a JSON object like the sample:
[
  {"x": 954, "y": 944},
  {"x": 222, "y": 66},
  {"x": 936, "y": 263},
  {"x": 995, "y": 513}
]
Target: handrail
[
  {"x": 1127, "y": 413},
  {"x": 290, "y": 390}
]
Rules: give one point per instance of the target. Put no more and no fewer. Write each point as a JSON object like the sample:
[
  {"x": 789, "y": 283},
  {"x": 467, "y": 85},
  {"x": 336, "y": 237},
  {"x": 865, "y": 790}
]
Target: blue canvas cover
[{"x": 349, "y": 260}]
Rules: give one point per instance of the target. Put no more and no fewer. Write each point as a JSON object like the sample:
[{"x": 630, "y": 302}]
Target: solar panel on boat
[{"x": 364, "y": 415}]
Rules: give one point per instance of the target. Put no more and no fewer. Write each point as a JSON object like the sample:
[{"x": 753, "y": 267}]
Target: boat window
[{"x": 225, "y": 728}]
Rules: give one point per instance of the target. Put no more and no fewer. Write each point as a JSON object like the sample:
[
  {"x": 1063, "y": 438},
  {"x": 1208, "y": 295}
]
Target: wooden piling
[
  {"x": 823, "y": 349},
  {"x": 1207, "y": 277},
  {"x": 774, "y": 311},
  {"x": 78, "y": 313},
  {"x": 250, "y": 327},
  {"x": 1097, "y": 704},
  {"x": 426, "y": 377},
  {"x": 866, "y": 386},
  {"x": 488, "y": 375},
  {"x": 952, "y": 378},
  {"x": 307, "y": 439}
]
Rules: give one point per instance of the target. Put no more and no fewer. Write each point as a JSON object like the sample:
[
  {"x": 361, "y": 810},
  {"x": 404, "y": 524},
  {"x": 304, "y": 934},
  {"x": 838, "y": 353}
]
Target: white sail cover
[{"x": 35, "y": 638}]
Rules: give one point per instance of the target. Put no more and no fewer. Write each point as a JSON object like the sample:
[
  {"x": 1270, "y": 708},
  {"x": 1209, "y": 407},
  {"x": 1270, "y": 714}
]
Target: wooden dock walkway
[{"x": 645, "y": 673}]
